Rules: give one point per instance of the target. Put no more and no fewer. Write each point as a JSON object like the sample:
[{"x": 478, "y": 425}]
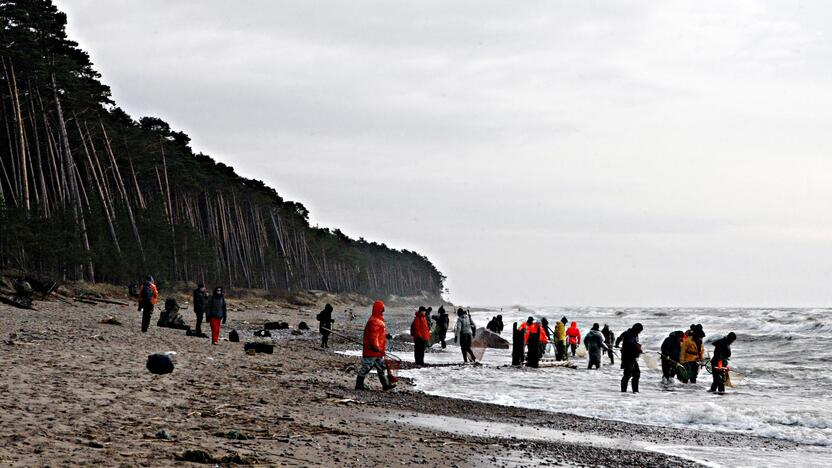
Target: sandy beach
[{"x": 76, "y": 391}]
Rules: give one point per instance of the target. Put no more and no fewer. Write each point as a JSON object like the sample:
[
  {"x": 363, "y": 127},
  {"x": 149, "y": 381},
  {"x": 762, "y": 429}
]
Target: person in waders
[
  {"x": 693, "y": 352},
  {"x": 533, "y": 328},
  {"x": 630, "y": 351},
  {"x": 574, "y": 337},
  {"x": 216, "y": 313},
  {"x": 719, "y": 362},
  {"x": 325, "y": 324},
  {"x": 671, "y": 350},
  {"x": 148, "y": 297},
  {"x": 464, "y": 332},
  {"x": 442, "y": 320},
  {"x": 560, "y": 339},
  {"x": 499, "y": 324},
  {"x": 374, "y": 349},
  {"x": 594, "y": 343},
  {"x": 421, "y": 336},
  {"x": 609, "y": 340},
  {"x": 200, "y": 299}
]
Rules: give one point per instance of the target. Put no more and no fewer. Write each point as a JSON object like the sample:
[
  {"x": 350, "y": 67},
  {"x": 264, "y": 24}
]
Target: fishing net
[
  {"x": 682, "y": 372},
  {"x": 479, "y": 344},
  {"x": 734, "y": 378},
  {"x": 393, "y": 365},
  {"x": 649, "y": 361},
  {"x": 581, "y": 352}
]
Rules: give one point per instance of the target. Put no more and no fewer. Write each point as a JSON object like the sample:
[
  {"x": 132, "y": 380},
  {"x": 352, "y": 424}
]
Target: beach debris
[
  {"x": 160, "y": 363},
  {"x": 259, "y": 347},
  {"x": 276, "y": 326},
  {"x": 262, "y": 333},
  {"x": 234, "y": 434},
  {"x": 488, "y": 339},
  {"x": 203, "y": 457},
  {"x": 163, "y": 434},
  {"x": 297, "y": 332},
  {"x": 303, "y": 326},
  {"x": 233, "y": 336},
  {"x": 111, "y": 320},
  {"x": 403, "y": 338},
  {"x": 190, "y": 332},
  {"x": 87, "y": 299}
]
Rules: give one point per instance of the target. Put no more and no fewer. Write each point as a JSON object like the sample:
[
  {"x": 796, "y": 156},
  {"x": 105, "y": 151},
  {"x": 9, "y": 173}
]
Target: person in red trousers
[{"x": 216, "y": 313}]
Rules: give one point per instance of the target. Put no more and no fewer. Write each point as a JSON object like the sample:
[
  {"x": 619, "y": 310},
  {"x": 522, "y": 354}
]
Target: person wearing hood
[
  {"x": 374, "y": 349},
  {"x": 200, "y": 299},
  {"x": 544, "y": 323},
  {"x": 464, "y": 332},
  {"x": 594, "y": 343},
  {"x": 442, "y": 320},
  {"x": 421, "y": 335},
  {"x": 719, "y": 362},
  {"x": 216, "y": 313},
  {"x": 524, "y": 327},
  {"x": 529, "y": 328},
  {"x": 499, "y": 324},
  {"x": 609, "y": 339},
  {"x": 693, "y": 352},
  {"x": 574, "y": 337},
  {"x": 492, "y": 325},
  {"x": 560, "y": 339},
  {"x": 148, "y": 297},
  {"x": 325, "y": 324},
  {"x": 630, "y": 351},
  {"x": 671, "y": 350}
]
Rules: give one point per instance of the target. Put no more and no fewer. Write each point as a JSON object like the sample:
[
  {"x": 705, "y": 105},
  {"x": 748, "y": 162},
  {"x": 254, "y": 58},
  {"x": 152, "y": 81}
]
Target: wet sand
[{"x": 76, "y": 391}]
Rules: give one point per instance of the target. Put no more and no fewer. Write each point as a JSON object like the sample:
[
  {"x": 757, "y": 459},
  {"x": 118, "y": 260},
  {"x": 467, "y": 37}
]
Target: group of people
[
  {"x": 428, "y": 330},
  {"x": 683, "y": 355},
  {"x": 212, "y": 308}
]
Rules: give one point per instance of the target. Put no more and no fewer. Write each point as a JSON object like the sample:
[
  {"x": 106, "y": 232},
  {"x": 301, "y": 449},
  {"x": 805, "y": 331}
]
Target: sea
[{"x": 785, "y": 393}]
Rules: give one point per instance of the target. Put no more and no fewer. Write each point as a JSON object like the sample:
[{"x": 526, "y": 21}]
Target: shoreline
[{"x": 81, "y": 394}]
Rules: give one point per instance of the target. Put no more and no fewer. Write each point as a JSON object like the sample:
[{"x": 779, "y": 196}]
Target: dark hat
[
  {"x": 200, "y": 285},
  {"x": 638, "y": 327},
  {"x": 530, "y": 320},
  {"x": 563, "y": 319},
  {"x": 595, "y": 326},
  {"x": 422, "y": 309},
  {"x": 732, "y": 336}
]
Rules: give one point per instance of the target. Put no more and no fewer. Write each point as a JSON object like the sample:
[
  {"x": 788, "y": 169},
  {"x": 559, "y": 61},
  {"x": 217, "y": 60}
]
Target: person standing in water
[
  {"x": 693, "y": 352},
  {"x": 325, "y": 324},
  {"x": 560, "y": 339},
  {"x": 719, "y": 362},
  {"x": 574, "y": 337},
  {"x": 630, "y": 351},
  {"x": 609, "y": 340},
  {"x": 374, "y": 349},
  {"x": 594, "y": 343},
  {"x": 464, "y": 332},
  {"x": 442, "y": 320},
  {"x": 216, "y": 313},
  {"x": 671, "y": 350},
  {"x": 421, "y": 335},
  {"x": 499, "y": 324}
]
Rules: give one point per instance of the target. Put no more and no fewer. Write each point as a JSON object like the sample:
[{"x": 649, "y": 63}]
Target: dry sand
[{"x": 76, "y": 392}]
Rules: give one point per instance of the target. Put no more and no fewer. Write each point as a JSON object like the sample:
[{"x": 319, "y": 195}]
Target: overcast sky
[{"x": 559, "y": 153}]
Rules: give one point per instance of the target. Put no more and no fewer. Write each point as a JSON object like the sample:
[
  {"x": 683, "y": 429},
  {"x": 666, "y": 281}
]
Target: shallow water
[{"x": 783, "y": 353}]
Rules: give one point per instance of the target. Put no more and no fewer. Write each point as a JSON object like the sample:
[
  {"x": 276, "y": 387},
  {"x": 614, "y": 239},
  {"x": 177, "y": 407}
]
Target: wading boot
[
  {"x": 635, "y": 386},
  {"x": 385, "y": 384},
  {"x": 359, "y": 383}
]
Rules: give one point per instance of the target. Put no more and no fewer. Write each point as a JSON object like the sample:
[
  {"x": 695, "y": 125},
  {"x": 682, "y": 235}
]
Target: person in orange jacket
[
  {"x": 375, "y": 347},
  {"x": 573, "y": 336},
  {"x": 148, "y": 297},
  {"x": 421, "y": 335}
]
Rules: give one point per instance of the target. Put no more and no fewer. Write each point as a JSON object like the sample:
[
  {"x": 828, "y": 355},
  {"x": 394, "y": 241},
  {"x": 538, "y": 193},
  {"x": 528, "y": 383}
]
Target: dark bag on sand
[
  {"x": 276, "y": 326},
  {"x": 233, "y": 336},
  {"x": 262, "y": 333},
  {"x": 267, "y": 348},
  {"x": 159, "y": 364},
  {"x": 303, "y": 326}
]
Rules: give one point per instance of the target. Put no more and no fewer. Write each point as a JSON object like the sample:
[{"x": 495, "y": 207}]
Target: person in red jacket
[
  {"x": 148, "y": 297},
  {"x": 421, "y": 335},
  {"x": 573, "y": 337},
  {"x": 375, "y": 347}
]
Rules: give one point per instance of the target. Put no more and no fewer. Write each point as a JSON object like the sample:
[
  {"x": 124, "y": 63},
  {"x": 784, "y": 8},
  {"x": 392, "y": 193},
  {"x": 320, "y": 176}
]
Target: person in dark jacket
[
  {"x": 200, "y": 299},
  {"x": 148, "y": 297},
  {"x": 671, "y": 349},
  {"x": 442, "y": 321},
  {"x": 594, "y": 342},
  {"x": 216, "y": 312},
  {"x": 630, "y": 351},
  {"x": 499, "y": 324},
  {"x": 609, "y": 340},
  {"x": 492, "y": 325},
  {"x": 325, "y": 326},
  {"x": 719, "y": 362}
]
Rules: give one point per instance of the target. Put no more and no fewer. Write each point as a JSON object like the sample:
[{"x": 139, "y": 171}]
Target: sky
[{"x": 538, "y": 152}]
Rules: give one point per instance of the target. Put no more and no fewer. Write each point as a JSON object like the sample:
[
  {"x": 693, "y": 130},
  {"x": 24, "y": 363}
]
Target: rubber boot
[
  {"x": 635, "y": 386},
  {"x": 623, "y": 386},
  {"x": 385, "y": 385},
  {"x": 359, "y": 383}
]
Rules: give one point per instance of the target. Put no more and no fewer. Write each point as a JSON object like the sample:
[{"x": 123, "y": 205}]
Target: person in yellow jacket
[
  {"x": 693, "y": 352},
  {"x": 560, "y": 339}
]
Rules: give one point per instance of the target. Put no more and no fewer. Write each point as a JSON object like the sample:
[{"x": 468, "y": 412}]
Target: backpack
[{"x": 147, "y": 293}]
